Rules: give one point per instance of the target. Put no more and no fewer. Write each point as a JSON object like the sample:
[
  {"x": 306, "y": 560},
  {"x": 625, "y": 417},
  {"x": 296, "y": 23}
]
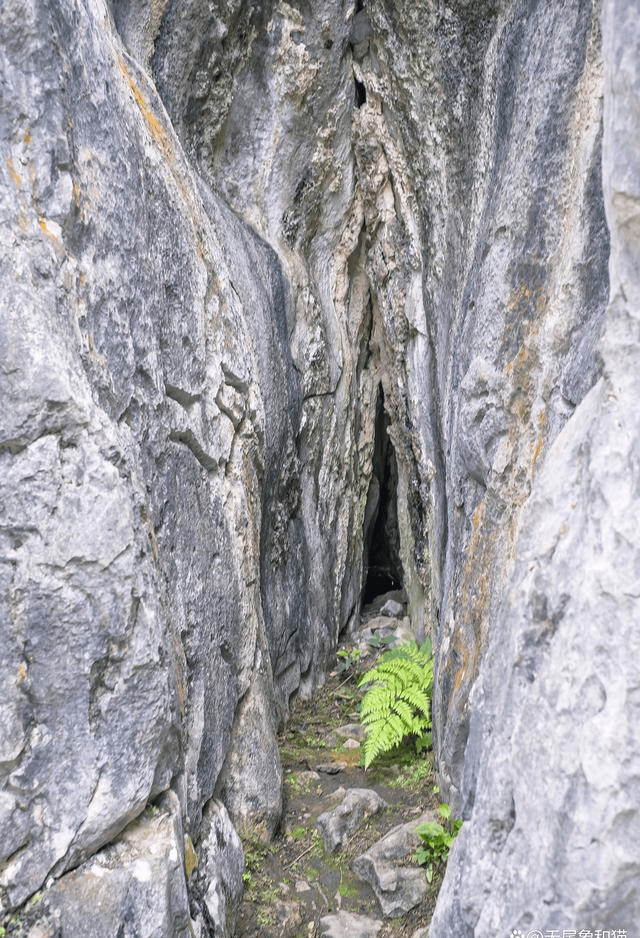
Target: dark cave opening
[
  {"x": 361, "y": 93},
  {"x": 382, "y": 565}
]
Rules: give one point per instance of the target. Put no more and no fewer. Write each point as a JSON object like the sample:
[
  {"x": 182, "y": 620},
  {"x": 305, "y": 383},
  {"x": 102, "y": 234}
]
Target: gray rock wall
[
  {"x": 148, "y": 407},
  {"x": 253, "y": 254},
  {"x": 552, "y": 766}
]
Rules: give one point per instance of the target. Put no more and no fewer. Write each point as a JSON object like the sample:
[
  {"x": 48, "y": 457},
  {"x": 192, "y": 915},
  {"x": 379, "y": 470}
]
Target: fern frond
[
  {"x": 417, "y": 699},
  {"x": 398, "y": 700}
]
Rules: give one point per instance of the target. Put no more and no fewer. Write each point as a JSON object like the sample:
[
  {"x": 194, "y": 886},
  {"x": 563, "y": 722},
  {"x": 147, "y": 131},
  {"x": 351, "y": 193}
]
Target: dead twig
[
  {"x": 348, "y": 678},
  {"x": 303, "y": 854}
]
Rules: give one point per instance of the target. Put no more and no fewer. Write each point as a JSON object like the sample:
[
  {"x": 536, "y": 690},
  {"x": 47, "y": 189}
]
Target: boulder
[
  {"x": 392, "y": 608},
  {"x": 387, "y": 866},
  {"x": 337, "y": 825}
]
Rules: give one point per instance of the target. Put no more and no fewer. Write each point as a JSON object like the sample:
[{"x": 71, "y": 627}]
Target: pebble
[{"x": 352, "y": 744}]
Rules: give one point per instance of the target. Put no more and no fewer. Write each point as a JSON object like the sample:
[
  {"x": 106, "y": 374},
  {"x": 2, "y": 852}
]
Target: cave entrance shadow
[{"x": 382, "y": 566}]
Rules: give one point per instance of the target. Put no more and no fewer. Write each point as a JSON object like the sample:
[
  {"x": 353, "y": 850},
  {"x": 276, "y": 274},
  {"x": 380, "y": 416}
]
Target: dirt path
[{"x": 293, "y": 883}]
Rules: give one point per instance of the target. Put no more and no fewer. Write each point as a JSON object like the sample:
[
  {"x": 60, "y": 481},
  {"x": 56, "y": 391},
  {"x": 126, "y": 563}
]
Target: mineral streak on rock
[{"x": 297, "y": 299}]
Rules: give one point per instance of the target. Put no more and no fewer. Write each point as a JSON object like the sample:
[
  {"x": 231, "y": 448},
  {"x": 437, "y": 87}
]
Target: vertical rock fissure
[
  {"x": 382, "y": 566},
  {"x": 361, "y": 93}
]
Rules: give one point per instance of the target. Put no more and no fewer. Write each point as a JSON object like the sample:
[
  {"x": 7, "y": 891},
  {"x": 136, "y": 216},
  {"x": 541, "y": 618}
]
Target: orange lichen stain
[
  {"x": 163, "y": 139},
  {"x": 190, "y": 856},
  {"x": 22, "y": 672},
  {"x": 43, "y": 224},
  {"x": 15, "y": 178},
  {"x": 537, "y": 450},
  {"x": 524, "y": 297},
  {"x": 542, "y": 417},
  {"x": 154, "y": 125},
  {"x": 461, "y": 671},
  {"x": 519, "y": 296},
  {"x": 475, "y": 589}
]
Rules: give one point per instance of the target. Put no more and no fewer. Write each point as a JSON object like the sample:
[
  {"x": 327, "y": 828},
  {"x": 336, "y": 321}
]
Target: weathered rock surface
[
  {"x": 553, "y": 771},
  {"x": 216, "y": 883},
  {"x": 134, "y": 887},
  {"x": 299, "y": 303},
  {"x": 340, "y": 822},
  {"x": 136, "y": 461},
  {"x": 387, "y": 866}
]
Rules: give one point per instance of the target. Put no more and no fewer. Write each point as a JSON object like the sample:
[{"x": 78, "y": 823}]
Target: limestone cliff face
[{"x": 298, "y": 299}]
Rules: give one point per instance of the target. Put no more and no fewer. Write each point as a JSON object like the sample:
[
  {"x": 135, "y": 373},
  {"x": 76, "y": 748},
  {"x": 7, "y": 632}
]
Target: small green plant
[
  {"x": 297, "y": 833},
  {"x": 268, "y": 895},
  {"x": 379, "y": 641},
  {"x": 398, "y": 701},
  {"x": 255, "y": 853},
  {"x": 413, "y": 776},
  {"x": 348, "y": 660},
  {"x": 246, "y": 877},
  {"x": 296, "y": 785},
  {"x": 266, "y": 917},
  {"x": 436, "y": 839},
  {"x": 347, "y": 891}
]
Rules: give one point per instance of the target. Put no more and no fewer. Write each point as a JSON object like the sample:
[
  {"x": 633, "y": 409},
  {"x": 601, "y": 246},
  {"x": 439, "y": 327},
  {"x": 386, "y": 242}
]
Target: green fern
[{"x": 398, "y": 702}]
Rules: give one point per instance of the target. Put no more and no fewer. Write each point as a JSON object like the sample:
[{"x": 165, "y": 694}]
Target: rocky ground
[{"x": 341, "y": 864}]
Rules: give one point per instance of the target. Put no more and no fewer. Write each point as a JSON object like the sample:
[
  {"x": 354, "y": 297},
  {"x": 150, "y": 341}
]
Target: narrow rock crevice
[
  {"x": 382, "y": 566},
  {"x": 317, "y": 296}
]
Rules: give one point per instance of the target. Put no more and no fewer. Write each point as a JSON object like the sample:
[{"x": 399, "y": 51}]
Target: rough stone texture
[
  {"x": 278, "y": 281},
  {"x": 554, "y": 745},
  {"x": 387, "y": 866},
  {"x": 340, "y": 822},
  {"x": 141, "y": 483},
  {"x": 134, "y": 887},
  {"x": 216, "y": 884}
]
